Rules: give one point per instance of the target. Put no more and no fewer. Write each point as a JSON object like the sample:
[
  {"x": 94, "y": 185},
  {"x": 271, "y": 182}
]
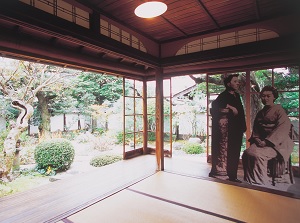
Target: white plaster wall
[
  {"x": 57, "y": 123},
  {"x": 185, "y": 126}
]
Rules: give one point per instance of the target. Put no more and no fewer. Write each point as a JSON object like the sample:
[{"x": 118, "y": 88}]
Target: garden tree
[
  {"x": 284, "y": 79},
  {"x": 20, "y": 82},
  {"x": 6, "y": 111},
  {"x": 95, "y": 89},
  {"x": 44, "y": 114},
  {"x": 54, "y": 99},
  {"x": 216, "y": 85}
]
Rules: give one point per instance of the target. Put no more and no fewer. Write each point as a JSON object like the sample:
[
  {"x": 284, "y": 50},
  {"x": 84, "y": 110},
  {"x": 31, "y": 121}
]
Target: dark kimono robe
[
  {"x": 272, "y": 125},
  {"x": 236, "y": 126}
]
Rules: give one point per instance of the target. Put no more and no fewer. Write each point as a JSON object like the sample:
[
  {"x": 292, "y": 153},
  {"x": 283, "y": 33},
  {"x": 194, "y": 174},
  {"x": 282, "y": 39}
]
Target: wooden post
[
  {"x": 159, "y": 120},
  {"x": 298, "y": 128},
  {"x": 124, "y": 119},
  {"x": 208, "y": 117},
  {"x": 248, "y": 108},
  {"x": 145, "y": 118}
]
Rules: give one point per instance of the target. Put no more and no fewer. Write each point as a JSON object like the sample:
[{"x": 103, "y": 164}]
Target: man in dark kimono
[
  {"x": 270, "y": 138},
  {"x": 228, "y": 103}
]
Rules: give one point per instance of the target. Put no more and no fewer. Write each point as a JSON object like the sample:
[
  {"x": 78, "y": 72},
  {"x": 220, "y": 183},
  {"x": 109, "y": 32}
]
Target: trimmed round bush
[
  {"x": 54, "y": 154},
  {"x": 193, "y": 148},
  {"x": 103, "y": 160}
]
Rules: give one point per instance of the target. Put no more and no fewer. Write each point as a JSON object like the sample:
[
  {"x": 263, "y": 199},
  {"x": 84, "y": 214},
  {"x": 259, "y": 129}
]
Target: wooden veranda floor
[{"x": 60, "y": 200}]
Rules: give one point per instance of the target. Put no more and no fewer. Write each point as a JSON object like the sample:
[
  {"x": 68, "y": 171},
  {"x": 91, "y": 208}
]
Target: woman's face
[
  {"x": 267, "y": 98},
  {"x": 234, "y": 83}
]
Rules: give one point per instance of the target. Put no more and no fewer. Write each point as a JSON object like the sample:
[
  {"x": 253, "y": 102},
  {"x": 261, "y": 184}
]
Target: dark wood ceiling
[
  {"x": 186, "y": 18},
  {"x": 30, "y": 33}
]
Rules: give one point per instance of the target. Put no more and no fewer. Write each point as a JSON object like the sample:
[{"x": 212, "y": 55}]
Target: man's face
[
  {"x": 267, "y": 98},
  {"x": 234, "y": 83}
]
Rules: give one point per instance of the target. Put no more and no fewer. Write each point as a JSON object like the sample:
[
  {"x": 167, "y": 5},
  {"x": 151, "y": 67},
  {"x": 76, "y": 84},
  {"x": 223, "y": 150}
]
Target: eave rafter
[
  {"x": 208, "y": 14},
  {"x": 257, "y": 9}
]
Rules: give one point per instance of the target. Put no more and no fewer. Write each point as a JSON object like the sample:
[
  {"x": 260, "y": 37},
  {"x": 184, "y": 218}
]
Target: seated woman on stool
[{"x": 270, "y": 138}]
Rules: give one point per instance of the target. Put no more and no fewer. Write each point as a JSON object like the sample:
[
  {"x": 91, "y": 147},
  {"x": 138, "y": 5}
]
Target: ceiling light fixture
[{"x": 150, "y": 9}]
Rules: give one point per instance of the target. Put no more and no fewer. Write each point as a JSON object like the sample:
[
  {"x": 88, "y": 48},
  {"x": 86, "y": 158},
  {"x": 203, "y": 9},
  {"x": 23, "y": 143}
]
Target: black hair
[{"x": 270, "y": 88}]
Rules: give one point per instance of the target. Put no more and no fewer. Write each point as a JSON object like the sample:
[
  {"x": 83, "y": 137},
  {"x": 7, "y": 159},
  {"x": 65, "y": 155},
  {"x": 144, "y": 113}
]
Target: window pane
[
  {"x": 260, "y": 78},
  {"x": 151, "y": 123},
  {"x": 129, "y": 88},
  {"x": 139, "y": 88},
  {"x": 151, "y": 106},
  {"x": 138, "y": 140},
  {"x": 151, "y": 139},
  {"x": 286, "y": 79},
  {"x": 290, "y": 102},
  {"x": 215, "y": 88},
  {"x": 139, "y": 123},
  {"x": 138, "y": 106},
  {"x": 129, "y": 109},
  {"x": 129, "y": 124},
  {"x": 150, "y": 89}
]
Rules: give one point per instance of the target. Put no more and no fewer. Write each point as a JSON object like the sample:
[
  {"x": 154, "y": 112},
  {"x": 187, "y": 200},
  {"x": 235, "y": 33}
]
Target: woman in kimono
[
  {"x": 229, "y": 100},
  {"x": 270, "y": 138}
]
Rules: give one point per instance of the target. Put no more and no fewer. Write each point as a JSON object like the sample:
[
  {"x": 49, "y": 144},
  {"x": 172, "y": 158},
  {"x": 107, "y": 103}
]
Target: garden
[
  {"x": 75, "y": 153},
  {"x": 32, "y": 95}
]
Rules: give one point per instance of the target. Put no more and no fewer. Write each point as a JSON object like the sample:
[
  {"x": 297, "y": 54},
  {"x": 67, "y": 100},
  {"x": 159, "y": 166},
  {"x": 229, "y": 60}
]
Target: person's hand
[
  {"x": 260, "y": 143},
  {"x": 233, "y": 109}
]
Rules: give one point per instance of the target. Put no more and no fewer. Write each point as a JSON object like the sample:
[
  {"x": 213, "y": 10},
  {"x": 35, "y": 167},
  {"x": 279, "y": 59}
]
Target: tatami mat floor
[
  {"x": 132, "y": 191},
  {"x": 168, "y": 197},
  {"x": 197, "y": 166}
]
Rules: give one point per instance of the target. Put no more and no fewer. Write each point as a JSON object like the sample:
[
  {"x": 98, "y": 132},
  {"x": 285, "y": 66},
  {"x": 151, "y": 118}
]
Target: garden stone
[
  {"x": 195, "y": 140},
  {"x": 177, "y": 145}
]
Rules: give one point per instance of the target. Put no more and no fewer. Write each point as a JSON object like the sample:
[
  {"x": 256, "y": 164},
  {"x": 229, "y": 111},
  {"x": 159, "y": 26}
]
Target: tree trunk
[
  {"x": 44, "y": 127},
  {"x": 10, "y": 143}
]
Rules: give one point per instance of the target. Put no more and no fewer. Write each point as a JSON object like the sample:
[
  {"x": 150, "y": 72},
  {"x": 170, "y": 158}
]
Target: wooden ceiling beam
[
  {"x": 174, "y": 26},
  {"x": 257, "y": 9},
  {"x": 209, "y": 14},
  {"x": 28, "y": 48}
]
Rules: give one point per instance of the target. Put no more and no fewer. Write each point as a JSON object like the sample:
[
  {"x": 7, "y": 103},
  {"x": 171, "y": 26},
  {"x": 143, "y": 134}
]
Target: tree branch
[{"x": 199, "y": 80}]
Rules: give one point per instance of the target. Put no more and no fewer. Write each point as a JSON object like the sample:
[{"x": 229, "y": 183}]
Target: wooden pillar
[
  {"x": 145, "y": 118},
  {"x": 208, "y": 123},
  {"x": 159, "y": 120},
  {"x": 248, "y": 107},
  {"x": 124, "y": 119},
  {"x": 298, "y": 127}
]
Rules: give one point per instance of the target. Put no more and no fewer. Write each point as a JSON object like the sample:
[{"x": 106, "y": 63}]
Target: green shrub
[
  {"x": 70, "y": 135},
  {"x": 151, "y": 136},
  {"x": 54, "y": 155},
  {"x": 128, "y": 138},
  {"x": 99, "y": 131},
  {"x": 295, "y": 155},
  {"x": 193, "y": 148},
  {"x": 103, "y": 160},
  {"x": 27, "y": 140}
]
